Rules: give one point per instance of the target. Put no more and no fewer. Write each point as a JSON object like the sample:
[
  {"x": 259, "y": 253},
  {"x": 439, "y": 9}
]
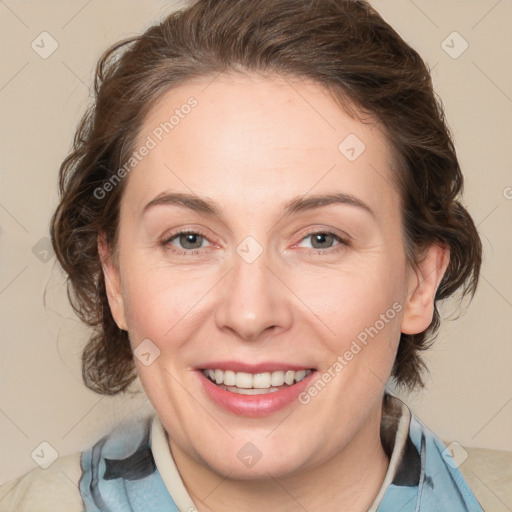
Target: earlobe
[
  {"x": 112, "y": 282},
  {"x": 423, "y": 284}
]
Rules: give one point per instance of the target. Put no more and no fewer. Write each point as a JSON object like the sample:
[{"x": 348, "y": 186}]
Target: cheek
[
  {"x": 165, "y": 304},
  {"x": 350, "y": 300}
]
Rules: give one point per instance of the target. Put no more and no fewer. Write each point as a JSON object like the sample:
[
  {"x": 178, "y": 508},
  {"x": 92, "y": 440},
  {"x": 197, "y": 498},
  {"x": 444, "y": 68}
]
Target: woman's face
[{"x": 294, "y": 261}]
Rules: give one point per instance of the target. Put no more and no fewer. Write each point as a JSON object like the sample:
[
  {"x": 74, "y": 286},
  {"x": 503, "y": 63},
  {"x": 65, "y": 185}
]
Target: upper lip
[{"x": 238, "y": 366}]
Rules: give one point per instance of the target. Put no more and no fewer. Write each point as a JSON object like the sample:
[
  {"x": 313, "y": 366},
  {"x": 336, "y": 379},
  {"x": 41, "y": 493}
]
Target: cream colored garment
[{"x": 45, "y": 490}]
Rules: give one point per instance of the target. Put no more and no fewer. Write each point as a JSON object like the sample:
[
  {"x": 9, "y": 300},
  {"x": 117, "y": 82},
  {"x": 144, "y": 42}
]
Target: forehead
[{"x": 256, "y": 141}]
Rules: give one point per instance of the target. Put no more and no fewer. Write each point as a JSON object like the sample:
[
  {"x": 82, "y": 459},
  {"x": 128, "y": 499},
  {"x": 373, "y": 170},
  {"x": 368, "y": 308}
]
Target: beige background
[{"x": 469, "y": 393}]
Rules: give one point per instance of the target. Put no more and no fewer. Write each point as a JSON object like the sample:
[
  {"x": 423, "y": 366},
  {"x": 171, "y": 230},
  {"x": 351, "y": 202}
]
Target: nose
[{"x": 254, "y": 302}]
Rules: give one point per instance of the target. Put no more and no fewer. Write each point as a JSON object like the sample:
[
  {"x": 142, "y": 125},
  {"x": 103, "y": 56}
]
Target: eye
[
  {"x": 322, "y": 240},
  {"x": 188, "y": 241}
]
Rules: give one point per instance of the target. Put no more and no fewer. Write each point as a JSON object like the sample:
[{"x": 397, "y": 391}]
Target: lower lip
[{"x": 254, "y": 405}]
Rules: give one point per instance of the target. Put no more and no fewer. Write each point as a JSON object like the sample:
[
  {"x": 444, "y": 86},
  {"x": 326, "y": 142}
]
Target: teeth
[
  {"x": 289, "y": 377},
  {"x": 229, "y": 378},
  {"x": 261, "y": 380},
  {"x": 250, "y": 384},
  {"x": 300, "y": 375},
  {"x": 251, "y": 391},
  {"x": 277, "y": 378},
  {"x": 242, "y": 379}
]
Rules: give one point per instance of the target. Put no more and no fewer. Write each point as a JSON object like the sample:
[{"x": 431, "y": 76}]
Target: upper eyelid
[
  {"x": 312, "y": 233},
  {"x": 168, "y": 238},
  {"x": 340, "y": 239}
]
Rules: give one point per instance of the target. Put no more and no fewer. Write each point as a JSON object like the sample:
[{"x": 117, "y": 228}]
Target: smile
[{"x": 255, "y": 383}]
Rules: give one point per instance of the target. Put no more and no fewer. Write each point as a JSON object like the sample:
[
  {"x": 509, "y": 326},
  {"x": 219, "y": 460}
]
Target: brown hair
[{"x": 343, "y": 45}]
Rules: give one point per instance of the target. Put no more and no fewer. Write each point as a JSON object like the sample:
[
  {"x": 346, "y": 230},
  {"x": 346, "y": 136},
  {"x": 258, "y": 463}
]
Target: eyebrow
[{"x": 298, "y": 204}]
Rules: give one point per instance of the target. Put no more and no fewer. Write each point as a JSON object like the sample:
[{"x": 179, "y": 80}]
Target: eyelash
[
  {"x": 181, "y": 252},
  {"x": 166, "y": 243}
]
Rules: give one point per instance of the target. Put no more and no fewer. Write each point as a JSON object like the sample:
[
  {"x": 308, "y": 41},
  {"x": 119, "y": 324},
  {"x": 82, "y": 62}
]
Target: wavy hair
[{"x": 345, "y": 46}]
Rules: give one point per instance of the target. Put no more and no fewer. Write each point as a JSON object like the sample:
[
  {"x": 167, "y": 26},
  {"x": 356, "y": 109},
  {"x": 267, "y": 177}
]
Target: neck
[{"x": 348, "y": 481}]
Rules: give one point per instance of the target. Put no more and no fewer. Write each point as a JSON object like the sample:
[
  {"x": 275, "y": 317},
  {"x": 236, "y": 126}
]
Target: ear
[
  {"x": 112, "y": 281},
  {"x": 423, "y": 283}
]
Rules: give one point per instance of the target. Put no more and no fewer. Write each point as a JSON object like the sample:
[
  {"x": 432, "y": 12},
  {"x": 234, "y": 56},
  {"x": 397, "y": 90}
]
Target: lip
[
  {"x": 254, "y": 406},
  {"x": 267, "y": 366}
]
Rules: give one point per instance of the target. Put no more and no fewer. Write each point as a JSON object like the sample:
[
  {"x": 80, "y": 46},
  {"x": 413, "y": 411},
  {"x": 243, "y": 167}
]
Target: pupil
[
  {"x": 322, "y": 238},
  {"x": 191, "y": 238}
]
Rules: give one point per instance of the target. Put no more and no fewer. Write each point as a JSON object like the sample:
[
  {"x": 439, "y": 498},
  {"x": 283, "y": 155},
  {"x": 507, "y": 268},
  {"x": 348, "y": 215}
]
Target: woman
[{"x": 258, "y": 218}]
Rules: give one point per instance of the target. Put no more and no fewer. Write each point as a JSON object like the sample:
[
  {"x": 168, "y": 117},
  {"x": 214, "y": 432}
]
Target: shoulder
[
  {"x": 442, "y": 485},
  {"x": 423, "y": 473},
  {"x": 36, "y": 491},
  {"x": 115, "y": 473}
]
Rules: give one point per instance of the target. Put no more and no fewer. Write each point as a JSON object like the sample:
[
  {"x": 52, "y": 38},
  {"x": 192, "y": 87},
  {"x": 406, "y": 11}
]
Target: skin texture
[{"x": 251, "y": 145}]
